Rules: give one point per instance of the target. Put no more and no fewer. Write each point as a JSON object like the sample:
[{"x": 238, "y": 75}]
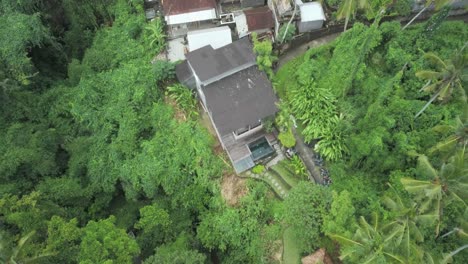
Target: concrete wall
[{"x": 309, "y": 26}]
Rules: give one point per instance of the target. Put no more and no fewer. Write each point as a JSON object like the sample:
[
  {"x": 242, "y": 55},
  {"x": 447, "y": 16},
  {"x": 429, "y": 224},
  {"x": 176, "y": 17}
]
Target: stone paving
[
  {"x": 270, "y": 180},
  {"x": 279, "y": 156}
]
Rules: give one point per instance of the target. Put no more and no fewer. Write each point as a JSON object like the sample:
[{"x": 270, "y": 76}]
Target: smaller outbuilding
[
  {"x": 312, "y": 16},
  {"x": 257, "y": 20},
  {"x": 215, "y": 37}
]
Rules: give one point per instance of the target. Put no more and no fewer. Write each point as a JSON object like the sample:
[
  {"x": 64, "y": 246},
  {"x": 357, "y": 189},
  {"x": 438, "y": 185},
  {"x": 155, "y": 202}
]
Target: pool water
[{"x": 260, "y": 149}]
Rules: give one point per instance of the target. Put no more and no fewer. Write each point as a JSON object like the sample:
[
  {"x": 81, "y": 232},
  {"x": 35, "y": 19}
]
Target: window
[
  {"x": 241, "y": 131},
  {"x": 246, "y": 129}
]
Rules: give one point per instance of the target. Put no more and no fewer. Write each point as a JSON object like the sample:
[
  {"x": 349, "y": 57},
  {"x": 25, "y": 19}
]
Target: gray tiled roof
[
  {"x": 183, "y": 72},
  {"x": 211, "y": 65},
  {"x": 240, "y": 99}
]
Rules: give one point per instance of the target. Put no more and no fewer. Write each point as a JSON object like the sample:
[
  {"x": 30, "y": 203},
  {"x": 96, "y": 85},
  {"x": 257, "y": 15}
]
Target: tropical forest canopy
[
  {"x": 98, "y": 165},
  {"x": 388, "y": 110}
]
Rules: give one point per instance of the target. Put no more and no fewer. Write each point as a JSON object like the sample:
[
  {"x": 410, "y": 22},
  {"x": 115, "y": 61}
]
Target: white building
[
  {"x": 216, "y": 37},
  {"x": 312, "y": 16}
]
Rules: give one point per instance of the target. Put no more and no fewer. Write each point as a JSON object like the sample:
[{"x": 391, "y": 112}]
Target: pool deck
[{"x": 238, "y": 148}]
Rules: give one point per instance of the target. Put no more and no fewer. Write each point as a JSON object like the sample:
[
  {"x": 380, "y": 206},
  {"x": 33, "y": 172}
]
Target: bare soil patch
[{"x": 233, "y": 188}]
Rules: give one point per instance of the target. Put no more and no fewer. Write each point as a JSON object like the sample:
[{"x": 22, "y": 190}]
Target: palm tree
[
  {"x": 448, "y": 257},
  {"x": 406, "y": 222},
  {"x": 459, "y": 138},
  {"x": 450, "y": 183},
  {"x": 447, "y": 77},
  {"x": 16, "y": 256},
  {"x": 460, "y": 232},
  {"x": 289, "y": 23},
  {"x": 438, "y": 4},
  {"x": 370, "y": 244},
  {"x": 349, "y": 8}
]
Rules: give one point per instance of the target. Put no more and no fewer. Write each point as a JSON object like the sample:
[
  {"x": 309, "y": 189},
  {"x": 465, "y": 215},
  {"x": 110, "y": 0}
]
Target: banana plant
[{"x": 348, "y": 9}]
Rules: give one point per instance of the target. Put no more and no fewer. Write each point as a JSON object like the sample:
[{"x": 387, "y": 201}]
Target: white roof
[
  {"x": 312, "y": 11},
  {"x": 216, "y": 37},
  {"x": 191, "y": 17}
]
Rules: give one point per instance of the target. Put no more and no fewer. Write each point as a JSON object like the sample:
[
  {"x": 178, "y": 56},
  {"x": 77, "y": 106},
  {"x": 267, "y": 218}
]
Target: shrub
[
  {"x": 289, "y": 34},
  {"x": 287, "y": 139},
  {"x": 258, "y": 169}
]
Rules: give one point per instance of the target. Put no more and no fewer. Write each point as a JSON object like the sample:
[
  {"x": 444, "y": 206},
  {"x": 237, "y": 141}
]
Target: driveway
[{"x": 299, "y": 50}]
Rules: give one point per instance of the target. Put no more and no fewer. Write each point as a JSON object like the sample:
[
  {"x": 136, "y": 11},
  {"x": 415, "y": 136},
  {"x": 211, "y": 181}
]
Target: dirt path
[
  {"x": 307, "y": 155},
  {"x": 293, "y": 53}
]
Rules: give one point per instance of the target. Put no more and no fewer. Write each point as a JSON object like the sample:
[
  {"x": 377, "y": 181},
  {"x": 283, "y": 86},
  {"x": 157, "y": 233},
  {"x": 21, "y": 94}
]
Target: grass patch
[
  {"x": 284, "y": 186},
  {"x": 283, "y": 77},
  {"x": 291, "y": 252},
  {"x": 286, "y": 174}
]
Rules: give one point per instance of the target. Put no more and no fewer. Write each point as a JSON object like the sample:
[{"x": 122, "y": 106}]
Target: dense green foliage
[
  {"x": 265, "y": 56},
  {"x": 371, "y": 78},
  {"x": 97, "y": 165},
  {"x": 76, "y": 142}
]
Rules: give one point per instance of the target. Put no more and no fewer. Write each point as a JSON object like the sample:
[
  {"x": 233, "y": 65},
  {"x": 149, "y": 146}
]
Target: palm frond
[
  {"x": 448, "y": 257},
  {"x": 414, "y": 186},
  {"x": 426, "y": 166},
  {"x": 432, "y": 57},
  {"x": 344, "y": 239},
  {"x": 395, "y": 257},
  {"x": 449, "y": 143},
  {"x": 428, "y": 75}
]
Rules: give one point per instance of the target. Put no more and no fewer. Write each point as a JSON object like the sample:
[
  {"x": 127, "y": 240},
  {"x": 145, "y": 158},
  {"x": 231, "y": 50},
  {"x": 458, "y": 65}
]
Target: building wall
[{"x": 309, "y": 26}]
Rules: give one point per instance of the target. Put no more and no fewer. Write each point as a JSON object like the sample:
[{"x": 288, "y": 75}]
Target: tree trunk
[
  {"x": 289, "y": 23},
  {"x": 416, "y": 16},
  {"x": 428, "y": 103}
]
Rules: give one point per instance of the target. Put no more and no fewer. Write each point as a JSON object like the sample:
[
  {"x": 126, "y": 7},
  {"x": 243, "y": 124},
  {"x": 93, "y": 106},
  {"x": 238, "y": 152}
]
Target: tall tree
[
  {"x": 438, "y": 187},
  {"x": 446, "y": 78},
  {"x": 305, "y": 206},
  {"x": 348, "y": 9},
  {"x": 24, "y": 32},
  {"x": 370, "y": 244},
  {"x": 405, "y": 221},
  {"x": 18, "y": 256},
  {"x": 428, "y": 3},
  {"x": 459, "y": 137},
  {"x": 103, "y": 242},
  {"x": 340, "y": 219}
]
